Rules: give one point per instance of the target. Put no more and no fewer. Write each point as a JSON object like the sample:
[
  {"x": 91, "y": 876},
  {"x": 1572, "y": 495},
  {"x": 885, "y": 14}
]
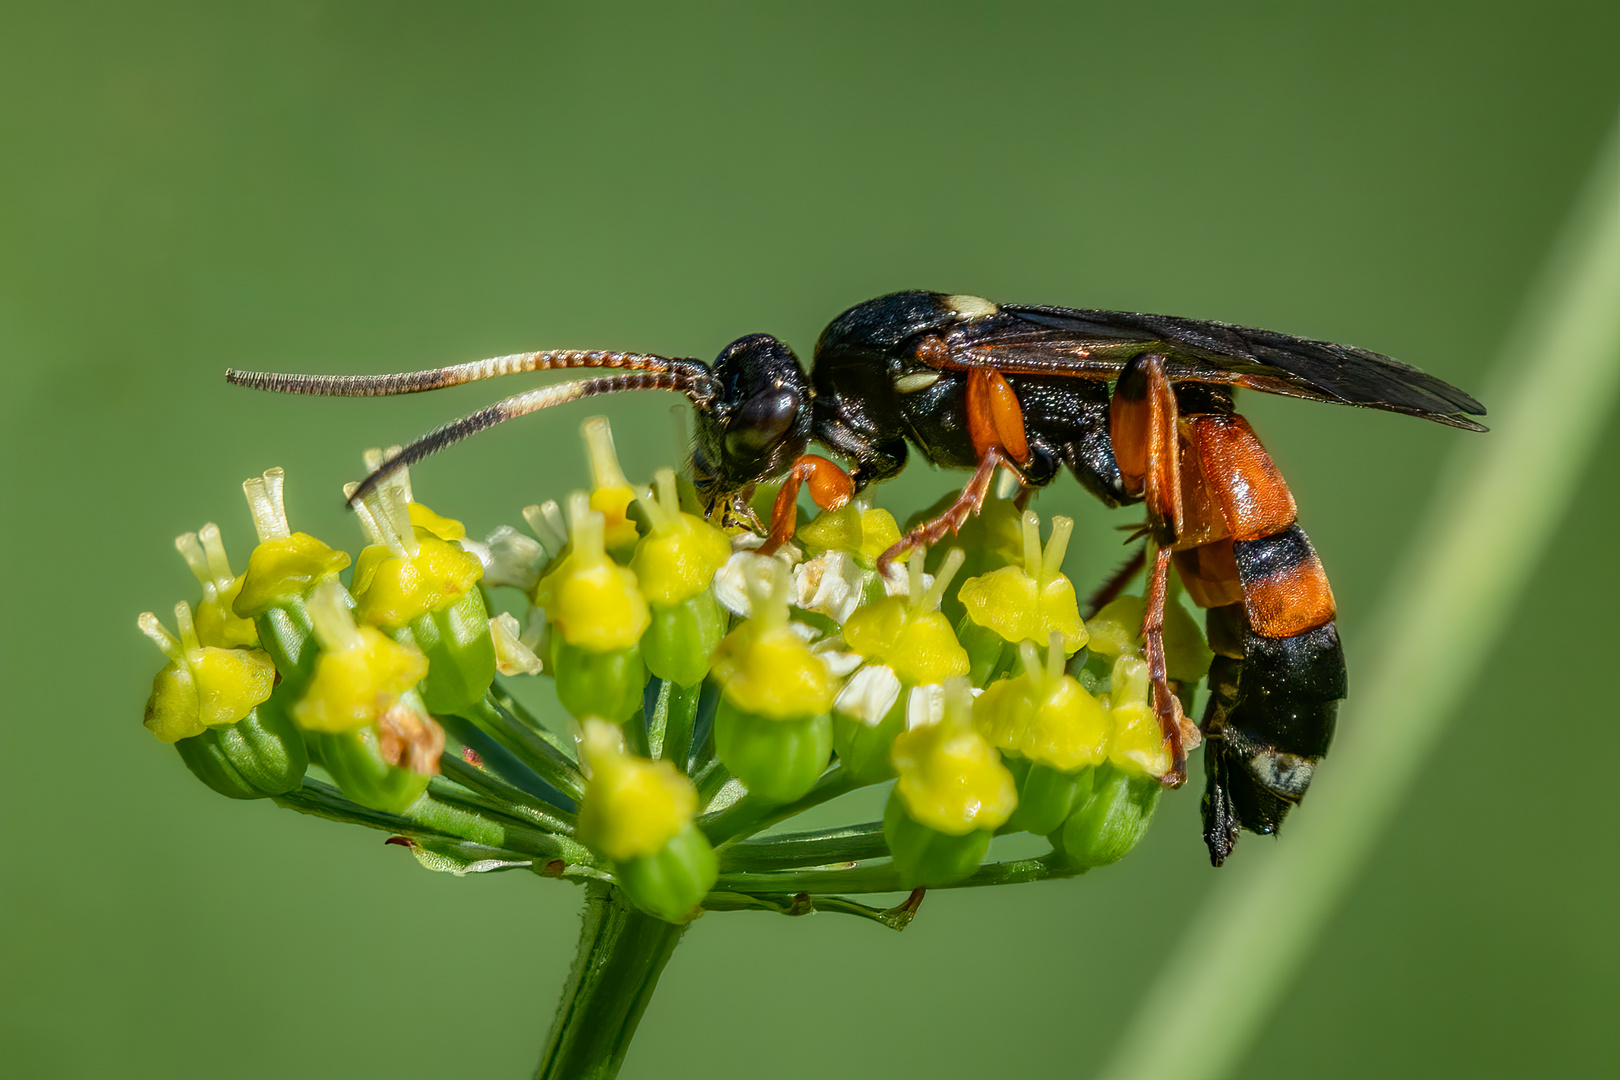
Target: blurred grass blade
[{"x": 1496, "y": 507}]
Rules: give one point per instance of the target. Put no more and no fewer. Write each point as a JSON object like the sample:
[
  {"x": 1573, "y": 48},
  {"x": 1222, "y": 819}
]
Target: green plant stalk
[
  {"x": 1557, "y": 380},
  {"x": 622, "y": 952}
]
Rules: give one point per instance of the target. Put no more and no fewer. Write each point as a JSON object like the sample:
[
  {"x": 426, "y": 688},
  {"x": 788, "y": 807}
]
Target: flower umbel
[{"x": 665, "y": 695}]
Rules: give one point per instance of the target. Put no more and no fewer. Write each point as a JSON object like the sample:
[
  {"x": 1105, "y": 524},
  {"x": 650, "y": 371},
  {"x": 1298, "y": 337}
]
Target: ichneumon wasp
[{"x": 1138, "y": 407}]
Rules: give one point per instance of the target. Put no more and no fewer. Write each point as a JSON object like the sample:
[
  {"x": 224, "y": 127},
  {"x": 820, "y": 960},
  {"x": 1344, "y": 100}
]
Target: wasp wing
[{"x": 1077, "y": 341}]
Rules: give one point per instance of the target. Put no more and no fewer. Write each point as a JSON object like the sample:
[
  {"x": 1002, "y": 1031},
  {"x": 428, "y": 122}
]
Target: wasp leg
[
  {"x": 1143, "y": 425},
  {"x": 996, "y": 426},
  {"x": 830, "y": 488},
  {"x": 967, "y": 504}
]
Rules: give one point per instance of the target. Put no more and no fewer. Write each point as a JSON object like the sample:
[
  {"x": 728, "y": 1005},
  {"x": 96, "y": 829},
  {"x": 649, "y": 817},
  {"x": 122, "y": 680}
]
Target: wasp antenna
[
  {"x": 523, "y": 405},
  {"x": 694, "y": 372}
]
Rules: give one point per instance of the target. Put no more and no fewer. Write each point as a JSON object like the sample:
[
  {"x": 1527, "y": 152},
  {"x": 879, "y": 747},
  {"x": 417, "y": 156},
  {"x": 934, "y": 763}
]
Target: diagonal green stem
[
  {"x": 622, "y": 952},
  {"x": 748, "y": 815},
  {"x": 787, "y": 851},
  {"x": 1559, "y": 375},
  {"x": 885, "y": 877}
]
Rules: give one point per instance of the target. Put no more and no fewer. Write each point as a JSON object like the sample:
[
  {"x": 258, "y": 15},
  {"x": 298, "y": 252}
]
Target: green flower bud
[
  {"x": 926, "y": 856},
  {"x": 779, "y": 760},
  {"x": 1046, "y": 796},
  {"x": 772, "y": 729},
  {"x": 639, "y": 814},
  {"x": 260, "y": 755},
  {"x": 1111, "y": 818},
  {"x": 460, "y": 652},
  {"x": 675, "y": 564},
  {"x": 597, "y": 617},
  {"x": 591, "y": 683},
  {"x": 673, "y": 881},
  {"x": 387, "y": 765}
]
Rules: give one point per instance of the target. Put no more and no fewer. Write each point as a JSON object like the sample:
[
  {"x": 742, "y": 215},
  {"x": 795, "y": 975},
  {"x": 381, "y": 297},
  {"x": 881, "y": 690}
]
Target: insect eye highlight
[{"x": 761, "y": 421}]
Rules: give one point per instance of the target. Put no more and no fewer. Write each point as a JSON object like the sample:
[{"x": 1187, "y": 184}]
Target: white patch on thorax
[{"x": 970, "y": 308}]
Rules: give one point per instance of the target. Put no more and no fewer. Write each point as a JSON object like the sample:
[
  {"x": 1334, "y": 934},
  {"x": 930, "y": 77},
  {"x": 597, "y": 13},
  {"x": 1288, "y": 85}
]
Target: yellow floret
[
  {"x": 1138, "y": 743},
  {"x": 284, "y": 569},
  {"x": 210, "y": 687},
  {"x": 1052, "y": 721},
  {"x": 351, "y": 687},
  {"x": 766, "y": 669},
  {"x": 679, "y": 558},
  {"x": 390, "y": 590},
  {"x": 863, "y": 531},
  {"x": 437, "y": 524},
  {"x": 951, "y": 779},
  {"x": 920, "y": 646},
  {"x": 632, "y": 807},
  {"x": 219, "y": 625}
]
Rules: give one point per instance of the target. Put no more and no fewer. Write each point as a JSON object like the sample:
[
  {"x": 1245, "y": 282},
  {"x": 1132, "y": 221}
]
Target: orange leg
[
  {"x": 1179, "y": 732},
  {"x": 955, "y": 515},
  {"x": 1143, "y": 426},
  {"x": 830, "y": 488},
  {"x": 996, "y": 426}
]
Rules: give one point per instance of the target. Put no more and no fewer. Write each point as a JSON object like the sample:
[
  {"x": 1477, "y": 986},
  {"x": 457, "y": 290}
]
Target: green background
[{"x": 370, "y": 187}]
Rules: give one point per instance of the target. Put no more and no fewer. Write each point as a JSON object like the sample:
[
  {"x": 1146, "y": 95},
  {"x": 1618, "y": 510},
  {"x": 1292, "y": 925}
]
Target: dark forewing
[{"x": 1078, "y": 341}]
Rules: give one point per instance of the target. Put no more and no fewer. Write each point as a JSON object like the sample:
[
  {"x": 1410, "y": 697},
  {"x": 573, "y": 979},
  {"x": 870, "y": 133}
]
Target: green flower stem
[
  {"x": 1504, "y": 496},
  {"x": 519, "y": 804},
  {"x": 710, "y": 777},
  {"x": 564, "y": 746},
  {"x": 496, "y": 810},
  {"x": 621, "y": 954},
  {"x": 670, "y": 729},
  {"x": 435, "y": 817},
  {"x": 530, "y": 744},
  {"x": 789, "y": 851},
  {"x": 885, "y": 877},
  {"x": 747, "y": 815},
  {"x": 896, "y": 918}
]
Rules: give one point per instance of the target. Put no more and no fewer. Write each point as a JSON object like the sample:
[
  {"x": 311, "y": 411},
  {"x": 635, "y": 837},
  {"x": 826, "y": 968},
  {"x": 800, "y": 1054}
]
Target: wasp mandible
[{"x": 1138, "y": 407}]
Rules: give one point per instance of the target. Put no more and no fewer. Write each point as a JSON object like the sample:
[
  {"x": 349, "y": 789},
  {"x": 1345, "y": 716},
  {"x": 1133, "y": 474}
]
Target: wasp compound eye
[{"x": 760, "y": 422}]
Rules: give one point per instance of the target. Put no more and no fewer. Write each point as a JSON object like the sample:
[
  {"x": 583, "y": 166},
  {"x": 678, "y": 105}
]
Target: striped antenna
[
  {"x": 523, "y": 405},
  {"x": 642, "y": 371},
  {"x": 695, "y": 373}
]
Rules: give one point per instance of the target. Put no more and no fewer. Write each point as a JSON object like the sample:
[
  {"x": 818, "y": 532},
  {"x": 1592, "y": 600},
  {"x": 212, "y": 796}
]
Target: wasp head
[{"x": 757, "y": 423}]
